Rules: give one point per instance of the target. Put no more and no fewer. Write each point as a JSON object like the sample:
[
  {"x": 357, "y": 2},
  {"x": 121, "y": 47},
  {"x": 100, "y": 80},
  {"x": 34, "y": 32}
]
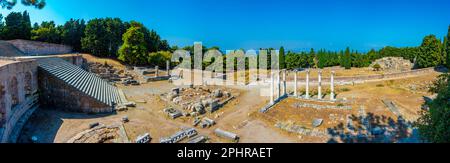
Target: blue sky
[{"x": 251, "y": 24}]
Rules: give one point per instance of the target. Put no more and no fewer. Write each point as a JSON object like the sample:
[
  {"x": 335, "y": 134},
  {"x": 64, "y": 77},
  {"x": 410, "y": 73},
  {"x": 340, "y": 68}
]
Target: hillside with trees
[{"x": 103, "y": 37}]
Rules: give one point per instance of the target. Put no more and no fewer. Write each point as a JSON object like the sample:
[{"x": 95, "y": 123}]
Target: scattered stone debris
[
  {"x": 129, "y": 81},
  {"x": 179, "y": 136},
  {"x": 200, "y": 100},
  {"x": 292, "y": 128},
  {"x": 320, "y": 107},
  {"x": 144, "y": 139},
  {"x": 226, "y": 135},
  {"x": 102, "y": 134}
]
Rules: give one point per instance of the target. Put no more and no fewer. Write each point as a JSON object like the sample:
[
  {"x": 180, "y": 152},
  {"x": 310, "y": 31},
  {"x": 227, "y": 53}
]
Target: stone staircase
[{"x": 86, "y": 82}]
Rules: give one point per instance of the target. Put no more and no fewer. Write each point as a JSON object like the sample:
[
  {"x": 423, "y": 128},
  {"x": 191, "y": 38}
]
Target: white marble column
[
  {"x": 168, "y": 68},
  {"x": 156, "y": 71},
  {"x": 272, "y": 89},
  {"x": 284, "y": 83},
  {"x": 279, "y": 84},
  {"x": 319, "y": 94},
  {"x": 307, "y": 84},
  {"x": 295, "y": 84},
  {"x": 332, "y": 98}
]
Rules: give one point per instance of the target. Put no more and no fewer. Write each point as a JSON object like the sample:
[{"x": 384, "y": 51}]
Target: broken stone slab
[
  {"x": 121, "y": 108},
  {"x": 317, "y": 122},
  {"x": 207, "y": 123},
  {"x": 93, "y": 125},
  {"x": 218, "y": 93},
  {"x": 199, "y": 108},
  {"x": 130, "y": 104},
  {"x": 125, "y": 119},
  {"x": 176, "y": 91},
  {"x": 143, "y": 139},
  {"x": 196, "y": 122}
]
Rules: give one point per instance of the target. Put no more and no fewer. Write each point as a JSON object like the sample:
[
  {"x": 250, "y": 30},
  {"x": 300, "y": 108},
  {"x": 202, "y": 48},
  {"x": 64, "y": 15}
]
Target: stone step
[{"x": 86, "y": 82}]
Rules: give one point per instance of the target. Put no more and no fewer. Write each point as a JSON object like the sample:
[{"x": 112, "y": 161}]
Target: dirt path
[{"x": 249, "y": 129}]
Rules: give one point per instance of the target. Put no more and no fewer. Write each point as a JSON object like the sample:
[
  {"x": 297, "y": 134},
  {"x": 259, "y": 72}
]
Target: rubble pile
[
  {"x": 393, "y": 64},
  {"x": 198, "y": 100},
  {"x": 108, "y": 73}
]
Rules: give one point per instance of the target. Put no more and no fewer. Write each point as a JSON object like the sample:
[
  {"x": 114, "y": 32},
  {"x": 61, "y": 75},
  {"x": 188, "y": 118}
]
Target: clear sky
[{"x": 252, "y": 24}]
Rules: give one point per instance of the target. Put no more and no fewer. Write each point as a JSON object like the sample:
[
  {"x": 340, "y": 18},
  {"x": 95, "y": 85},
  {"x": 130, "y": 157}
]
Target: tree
[
  {"x": 282, "y": 58},
  {"x": 447, "y": 48},
  {"x": 133, "y": 50},
  {"x": 434, "y": 125},
  {"x": 373, "y": 55},
  {"x": 103, "y": 37},
  {"x": 152, "y": 39},
  {"x": 430, "y": 53},
  {"x": 94, "y": 40},
  {"x": 9, "y": 4},
  {"x": 46, "y": 32},
  {"x": 159, "y": 58},
  {"x": 376, "y": 67},
  {"x": 72, "y": 32},
  {"x": 17, "y": 26},
  {"x": 2, "y": 26},
  {"x": 347, "y": 61}
]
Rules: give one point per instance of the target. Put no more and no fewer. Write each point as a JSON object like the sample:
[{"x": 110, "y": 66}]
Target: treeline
[
  {"x": 432, "y": 52},
  {"x": 101, "y": 37},
  {"x": 133, "y": 43}
]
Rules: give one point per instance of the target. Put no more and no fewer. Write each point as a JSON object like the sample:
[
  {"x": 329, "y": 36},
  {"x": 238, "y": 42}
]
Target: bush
[
  {"x": 376, "y": 67},
  {"x": 159, "y": 58}
]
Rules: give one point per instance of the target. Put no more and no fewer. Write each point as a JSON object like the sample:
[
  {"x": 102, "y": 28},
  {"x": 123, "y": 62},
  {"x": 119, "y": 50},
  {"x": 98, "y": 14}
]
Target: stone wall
[
  {"x": 18, "y": 95},
  {"x": 57, "y": 94},
  {"x": 40, "y": 48}
]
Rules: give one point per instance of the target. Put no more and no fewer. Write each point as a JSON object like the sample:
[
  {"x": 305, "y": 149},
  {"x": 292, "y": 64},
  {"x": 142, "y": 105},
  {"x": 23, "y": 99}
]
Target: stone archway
[
  {"x": 14, "y": 91},
  {"x": 28, "y": 84}
]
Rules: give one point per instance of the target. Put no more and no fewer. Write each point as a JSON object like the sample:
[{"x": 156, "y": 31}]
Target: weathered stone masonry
[
  {"x": 18, "y": 96},
  {"x": 56, "y": 93},
  {"x": 40, "y": 48}
]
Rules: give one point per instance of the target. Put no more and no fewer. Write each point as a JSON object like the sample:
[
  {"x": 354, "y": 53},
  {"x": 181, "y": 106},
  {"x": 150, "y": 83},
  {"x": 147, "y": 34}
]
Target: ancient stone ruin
[
  {"x": 198, "y": 100},
  {"x": 102, "y": 134},
  {"x": 393, "y": 64}
]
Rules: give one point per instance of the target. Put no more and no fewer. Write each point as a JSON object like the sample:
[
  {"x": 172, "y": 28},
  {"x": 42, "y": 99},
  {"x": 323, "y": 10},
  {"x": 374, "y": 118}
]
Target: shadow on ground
[
  {"x": 45, "y": 123},
  {"x": 374, "y": 129}
]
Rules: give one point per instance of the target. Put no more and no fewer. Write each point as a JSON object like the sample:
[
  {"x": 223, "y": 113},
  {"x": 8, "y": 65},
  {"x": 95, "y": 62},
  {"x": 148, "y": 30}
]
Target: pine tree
[
  {"x": 430, "y": 53},
  {"x": 9, "y": 4},
  {"x": 347, "y": 59},
  {"x": 2, "y": 25},
  {"x": 282, "y": 58},
  {"x": 26, "y": 25},
  {"x": 447, "y": 47}
]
